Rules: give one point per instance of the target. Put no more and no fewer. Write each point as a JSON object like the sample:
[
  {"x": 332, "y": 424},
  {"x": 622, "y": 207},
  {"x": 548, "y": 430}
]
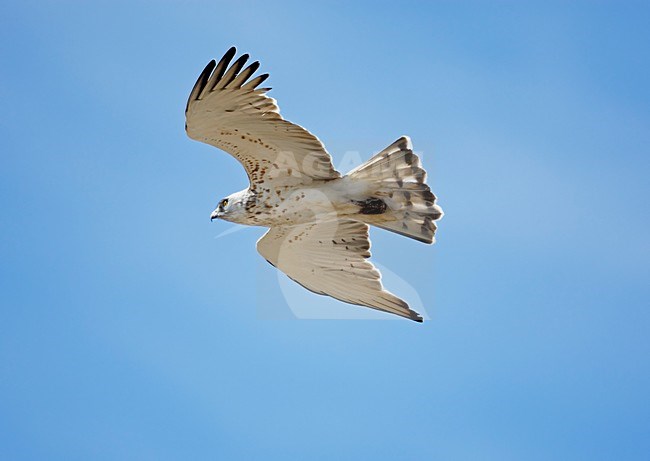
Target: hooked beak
[{"x": 214, "y": 215}]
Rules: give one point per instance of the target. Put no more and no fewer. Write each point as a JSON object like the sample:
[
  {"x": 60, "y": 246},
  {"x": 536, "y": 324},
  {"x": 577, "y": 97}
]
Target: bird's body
[
  {"x": 319, "y": 201},
  {"x": 318, "y": 219}
]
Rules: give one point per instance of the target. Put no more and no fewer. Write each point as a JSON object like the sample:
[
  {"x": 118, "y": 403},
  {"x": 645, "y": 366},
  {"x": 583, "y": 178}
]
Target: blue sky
[{"x": 127, "y": 331}]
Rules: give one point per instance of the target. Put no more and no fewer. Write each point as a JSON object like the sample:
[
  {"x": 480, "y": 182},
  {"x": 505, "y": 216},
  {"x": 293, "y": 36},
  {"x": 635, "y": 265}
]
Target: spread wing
[
  {"x": 227, "y": 109},
  {"x": 330, "y": 258}
]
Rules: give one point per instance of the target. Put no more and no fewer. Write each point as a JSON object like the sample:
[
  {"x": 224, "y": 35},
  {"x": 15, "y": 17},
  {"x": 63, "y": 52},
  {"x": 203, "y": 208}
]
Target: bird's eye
[{"x": 224, "y": 203}]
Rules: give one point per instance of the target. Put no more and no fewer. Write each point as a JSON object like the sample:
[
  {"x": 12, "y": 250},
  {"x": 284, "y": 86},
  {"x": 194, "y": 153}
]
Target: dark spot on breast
[{"x": 371, "y": 206}]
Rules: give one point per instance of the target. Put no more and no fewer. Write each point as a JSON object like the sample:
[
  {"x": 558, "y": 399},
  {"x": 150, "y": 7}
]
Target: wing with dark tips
[
  {"x": 331, "y": 258},
  {"x": 227, "y": 109}
]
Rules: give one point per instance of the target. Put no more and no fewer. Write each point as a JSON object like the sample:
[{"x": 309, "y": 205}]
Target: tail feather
[{"x": 396, "y": 177}]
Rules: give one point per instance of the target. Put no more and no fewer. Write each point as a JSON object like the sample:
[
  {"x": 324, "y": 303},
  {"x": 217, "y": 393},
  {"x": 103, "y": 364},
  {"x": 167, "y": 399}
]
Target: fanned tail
[{"x": 400, "y": 201}]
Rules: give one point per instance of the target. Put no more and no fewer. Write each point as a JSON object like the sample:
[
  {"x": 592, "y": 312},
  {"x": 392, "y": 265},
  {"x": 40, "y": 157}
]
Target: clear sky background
[{"x": 128, "y": 332}]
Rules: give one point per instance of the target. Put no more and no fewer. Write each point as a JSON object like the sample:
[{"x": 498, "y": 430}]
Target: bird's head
[{"x": 230, "y": 208}]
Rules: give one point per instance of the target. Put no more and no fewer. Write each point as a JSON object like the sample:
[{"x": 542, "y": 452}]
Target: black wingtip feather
[
  {"x": 228, "y": 55},
  {"x": 208, "y": 69},
  {"x": 234, "y": 70},
  {"x": 221, "y": 68},
  {"x": 200, "y": 82},
  {"x": 245, "y": 74},
  {"x": 416, "y": 317},
  {"x": 239, "y": 64},
  {"x": 253, "y": 67},
  {"x": 260, "y": 79}
]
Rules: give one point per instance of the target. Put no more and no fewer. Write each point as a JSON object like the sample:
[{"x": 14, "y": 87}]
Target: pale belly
[{"x": 332, "y": 200}]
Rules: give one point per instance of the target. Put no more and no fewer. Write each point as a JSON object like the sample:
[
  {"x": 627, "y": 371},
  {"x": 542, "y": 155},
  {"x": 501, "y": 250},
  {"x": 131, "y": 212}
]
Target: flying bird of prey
[{"x": 317, "y": 218}]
